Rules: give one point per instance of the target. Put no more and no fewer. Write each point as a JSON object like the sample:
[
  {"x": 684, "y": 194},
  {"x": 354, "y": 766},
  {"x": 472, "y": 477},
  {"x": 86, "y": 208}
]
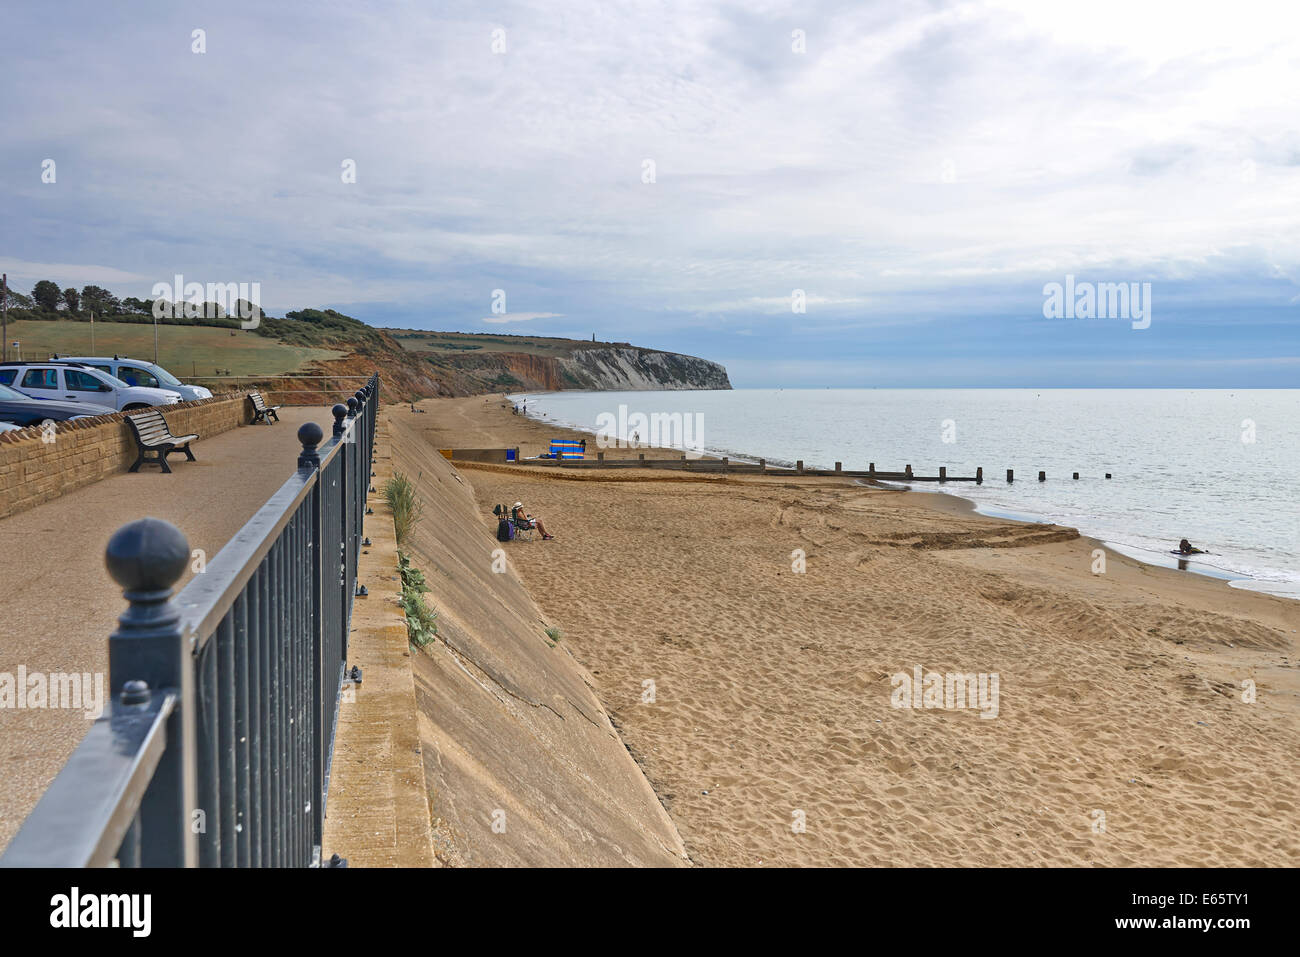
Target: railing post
[
  {"x": 309, "y": 434},
  {"x": 147, "y": 557}
]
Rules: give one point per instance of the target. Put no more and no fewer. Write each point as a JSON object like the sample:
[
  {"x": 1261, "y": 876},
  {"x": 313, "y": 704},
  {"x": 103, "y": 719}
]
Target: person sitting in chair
[{"x": 521, "y": 517}]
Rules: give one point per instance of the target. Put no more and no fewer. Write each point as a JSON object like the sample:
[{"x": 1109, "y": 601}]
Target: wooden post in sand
[
  {"x": 762, "y": 466},
  {"x": 908, "y": 471},
  {"x": 871, "y": 470},
  {"x": 600, "y": 457},
  {"x": 1042, "y": 476},
  {"x": 798, "y": 466},
  {"x": 943, "y": 473},
  {"x": 1076, "y": 476},
  {"x": 726, "y": 463},
  {"x": 1011, "y": 476},
  {"x": 979, "y": 475},
  {"x": 641, "y": 458},
  {"x": 1107, "y": 475}
]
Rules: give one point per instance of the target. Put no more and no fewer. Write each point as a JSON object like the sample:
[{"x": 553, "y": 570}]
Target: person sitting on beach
[
  {"x": 521, "y": 517},
  {"x": 1187, "y": 548}
]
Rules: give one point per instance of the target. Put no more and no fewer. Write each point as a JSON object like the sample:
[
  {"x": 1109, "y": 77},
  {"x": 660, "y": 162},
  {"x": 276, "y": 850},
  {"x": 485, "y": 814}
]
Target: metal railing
[{"x": 215, "y": 748}]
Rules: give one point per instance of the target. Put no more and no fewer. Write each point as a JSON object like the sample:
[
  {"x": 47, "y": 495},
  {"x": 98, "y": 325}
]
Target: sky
[{"x": 683, "y": 175}]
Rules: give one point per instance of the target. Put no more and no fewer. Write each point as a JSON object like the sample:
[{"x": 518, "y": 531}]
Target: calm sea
[{"x": 1219, "y": 468}]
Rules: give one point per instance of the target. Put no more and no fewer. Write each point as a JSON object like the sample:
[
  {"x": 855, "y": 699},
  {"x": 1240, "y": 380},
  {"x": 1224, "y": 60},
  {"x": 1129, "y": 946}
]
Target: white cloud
[{"x": 1111, "y": 134}]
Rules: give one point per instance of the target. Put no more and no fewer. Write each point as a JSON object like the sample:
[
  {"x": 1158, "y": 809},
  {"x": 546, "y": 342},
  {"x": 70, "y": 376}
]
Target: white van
[{"x": 141, "y": 373}]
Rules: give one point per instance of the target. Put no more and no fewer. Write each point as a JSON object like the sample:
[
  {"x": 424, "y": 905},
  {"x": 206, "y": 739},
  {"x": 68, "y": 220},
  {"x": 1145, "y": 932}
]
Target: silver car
[{"x": 72, "y": 382}]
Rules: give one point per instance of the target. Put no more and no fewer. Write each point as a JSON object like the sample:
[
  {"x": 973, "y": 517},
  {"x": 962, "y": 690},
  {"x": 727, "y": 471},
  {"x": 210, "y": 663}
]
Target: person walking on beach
[{"x": 521, "y": 517}]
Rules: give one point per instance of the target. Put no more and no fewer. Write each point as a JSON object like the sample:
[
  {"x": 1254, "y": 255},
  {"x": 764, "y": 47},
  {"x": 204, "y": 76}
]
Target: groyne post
[
  {"x": 943, "y": 473},
  {"x": 979, "y": 475},
  {"x": 908, "y": 471},
  {"x": 1011, "y": 475},
  {"x": 1042, "y": 476},
  {"x": 798, "y": 466}
]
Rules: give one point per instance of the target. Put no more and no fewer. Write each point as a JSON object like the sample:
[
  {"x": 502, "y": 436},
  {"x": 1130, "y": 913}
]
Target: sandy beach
[{"x": 745, "y": 635}]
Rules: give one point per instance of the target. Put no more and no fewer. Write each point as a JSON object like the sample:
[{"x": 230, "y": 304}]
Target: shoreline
[
  {"x": 1287, "y": 590},
  {"x": 1121, "y": 692}
]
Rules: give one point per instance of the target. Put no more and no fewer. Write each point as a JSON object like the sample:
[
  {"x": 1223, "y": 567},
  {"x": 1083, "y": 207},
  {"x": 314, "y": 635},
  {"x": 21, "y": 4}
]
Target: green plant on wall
[
  {"x": 399, "y": 492},
  {"x": 421, "y": 620}
]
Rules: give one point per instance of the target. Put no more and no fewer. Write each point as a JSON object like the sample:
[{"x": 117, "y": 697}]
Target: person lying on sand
[
  {"x": 1187, "y": 548},
  {"x": 523, "y": 518}
]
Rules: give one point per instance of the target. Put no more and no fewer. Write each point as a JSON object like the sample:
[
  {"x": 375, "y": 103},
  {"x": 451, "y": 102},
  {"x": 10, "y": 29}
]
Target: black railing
[{"x": 215, "y": 747}]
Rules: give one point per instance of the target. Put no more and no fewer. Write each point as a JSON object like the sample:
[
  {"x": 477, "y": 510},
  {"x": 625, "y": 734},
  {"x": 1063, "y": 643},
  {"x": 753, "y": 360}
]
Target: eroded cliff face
[
  {"x": 414, "y": 375},
  {"x": 629, "y": 368},
  {"x": 610, "y": 368}
]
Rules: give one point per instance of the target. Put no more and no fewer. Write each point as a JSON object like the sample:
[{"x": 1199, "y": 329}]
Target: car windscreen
[
  {"x": 10, "y": 395},
  {"x": 165, "y": 377}
]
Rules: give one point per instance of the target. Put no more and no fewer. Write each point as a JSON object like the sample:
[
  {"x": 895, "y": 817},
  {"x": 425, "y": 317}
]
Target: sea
[{"x": 1219, "y": 468}]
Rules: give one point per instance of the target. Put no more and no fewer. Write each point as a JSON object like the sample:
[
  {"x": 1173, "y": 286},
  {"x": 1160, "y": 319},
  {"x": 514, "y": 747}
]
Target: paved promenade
[{"x": 58, "y": 604}]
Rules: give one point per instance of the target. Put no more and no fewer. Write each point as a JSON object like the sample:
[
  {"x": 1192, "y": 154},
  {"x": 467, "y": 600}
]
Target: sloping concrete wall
[{"x": 522, "y": 764}]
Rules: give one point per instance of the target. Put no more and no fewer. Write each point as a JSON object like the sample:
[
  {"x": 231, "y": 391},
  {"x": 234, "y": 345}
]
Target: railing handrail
[
  {"x": 207, "y": 597},
  {"x": 96, "y": 795}
]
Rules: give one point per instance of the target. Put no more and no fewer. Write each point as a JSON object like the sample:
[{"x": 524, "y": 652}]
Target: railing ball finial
[
  {"x": 309, "y": 434},
  {"x": 353, "y": 405},
  {"x": 146, "y": 557},
  {"x": 361, "y": 398},
  {"x": 340, "y": 412}
]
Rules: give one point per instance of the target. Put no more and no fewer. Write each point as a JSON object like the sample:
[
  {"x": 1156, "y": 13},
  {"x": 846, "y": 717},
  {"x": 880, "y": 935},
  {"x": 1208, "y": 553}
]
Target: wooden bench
[
  {"x": 261, "y": 410},
  {"x": 152, "y": 435}
]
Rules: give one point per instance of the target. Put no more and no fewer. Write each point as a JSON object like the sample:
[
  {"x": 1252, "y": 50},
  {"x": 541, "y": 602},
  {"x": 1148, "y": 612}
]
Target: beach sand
[{"x": 1121, "y": 736}]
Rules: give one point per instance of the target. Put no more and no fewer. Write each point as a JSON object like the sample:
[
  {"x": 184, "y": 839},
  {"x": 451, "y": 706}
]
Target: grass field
[
  {"x": 185, "y": 351},
  {"x": 475, "y": 343}
]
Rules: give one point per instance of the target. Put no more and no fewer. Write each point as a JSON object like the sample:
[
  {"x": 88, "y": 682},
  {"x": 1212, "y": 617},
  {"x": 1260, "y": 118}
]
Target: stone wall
[{"x": 37, "y": 465}]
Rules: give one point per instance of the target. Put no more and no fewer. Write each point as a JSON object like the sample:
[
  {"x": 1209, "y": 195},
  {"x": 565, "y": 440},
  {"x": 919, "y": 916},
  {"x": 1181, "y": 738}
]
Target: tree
[
  {"x": 100, "y": 301},
  {"x": 71, "y": 298},
  {"x": 47, "y": 294}
]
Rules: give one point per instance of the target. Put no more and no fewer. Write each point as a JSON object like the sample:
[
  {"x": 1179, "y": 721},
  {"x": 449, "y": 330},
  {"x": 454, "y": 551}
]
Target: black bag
[{"x": 505, "y": 530}]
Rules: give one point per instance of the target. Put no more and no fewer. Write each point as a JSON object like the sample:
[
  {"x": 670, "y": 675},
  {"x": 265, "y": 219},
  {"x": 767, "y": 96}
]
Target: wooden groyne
[{"x": 723, "y": 465}]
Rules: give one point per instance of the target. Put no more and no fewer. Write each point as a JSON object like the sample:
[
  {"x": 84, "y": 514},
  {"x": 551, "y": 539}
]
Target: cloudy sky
[{"x": 919, "y": 170}]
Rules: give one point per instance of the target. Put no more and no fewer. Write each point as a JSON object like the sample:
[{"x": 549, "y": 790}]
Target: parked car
[
  {"x": 73, "y": 382},
  {"x": 22, "y": 410},
  {"x": 9, "y": 427},
  {"x": 141, "y": 373}
]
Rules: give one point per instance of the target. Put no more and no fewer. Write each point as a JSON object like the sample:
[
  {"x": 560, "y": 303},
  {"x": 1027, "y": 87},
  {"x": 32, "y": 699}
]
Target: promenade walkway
[{"x": 58, "y": 604}]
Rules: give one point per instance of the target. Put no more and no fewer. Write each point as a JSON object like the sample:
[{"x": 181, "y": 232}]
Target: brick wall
[{"x": 33, "y": 470}]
